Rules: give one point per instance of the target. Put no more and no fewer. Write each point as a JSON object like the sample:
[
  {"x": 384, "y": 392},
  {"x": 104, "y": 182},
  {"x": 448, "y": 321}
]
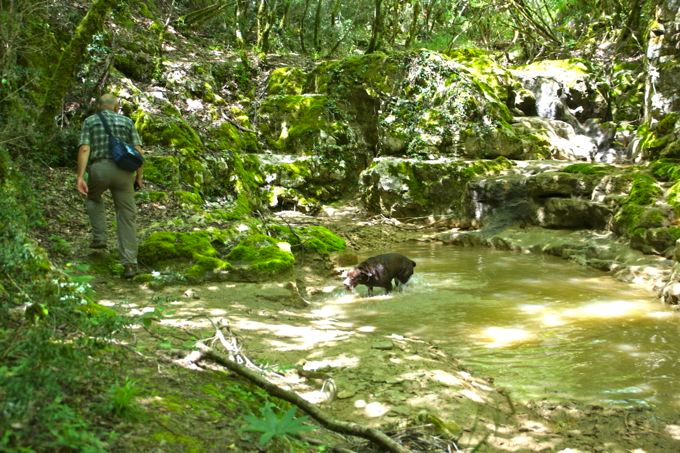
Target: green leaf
[{"x": 270, "y": 425}]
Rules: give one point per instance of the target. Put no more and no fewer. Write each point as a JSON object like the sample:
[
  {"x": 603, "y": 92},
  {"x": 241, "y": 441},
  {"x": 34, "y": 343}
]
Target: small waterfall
[
  {"x": 570, "y": 139},
  {"x": 547, "y": 93}
]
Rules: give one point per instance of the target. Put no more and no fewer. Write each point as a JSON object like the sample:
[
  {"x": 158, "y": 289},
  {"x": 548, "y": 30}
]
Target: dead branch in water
[{"x": 246, "y": 371}]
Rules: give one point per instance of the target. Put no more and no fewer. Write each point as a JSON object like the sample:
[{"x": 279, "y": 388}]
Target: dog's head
[{"x": 353, "y": 277}]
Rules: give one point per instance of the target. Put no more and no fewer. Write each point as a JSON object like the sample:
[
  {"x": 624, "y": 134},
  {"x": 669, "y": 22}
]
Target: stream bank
[
  {"x": 390, "y": 381},
  {"x": 439, "y": 388},
  {"x": 387, "y": 381}
]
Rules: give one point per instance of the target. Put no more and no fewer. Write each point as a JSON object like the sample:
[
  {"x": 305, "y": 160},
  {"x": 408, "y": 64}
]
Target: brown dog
[{"x": 379, "y": 271}]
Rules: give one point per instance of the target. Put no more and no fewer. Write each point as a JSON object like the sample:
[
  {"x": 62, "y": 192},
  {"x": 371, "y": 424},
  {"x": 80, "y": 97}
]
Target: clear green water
[{"x": 542, "y": 327}]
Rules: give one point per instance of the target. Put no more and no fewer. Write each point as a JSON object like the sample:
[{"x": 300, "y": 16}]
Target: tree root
[{"x": 205, "y": 352}]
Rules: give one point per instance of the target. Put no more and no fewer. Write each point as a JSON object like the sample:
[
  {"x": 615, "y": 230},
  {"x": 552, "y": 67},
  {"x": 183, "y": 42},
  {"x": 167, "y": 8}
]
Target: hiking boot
[
  {"x": 98, "y": 245},
  {"x": 129, "y": 270}
]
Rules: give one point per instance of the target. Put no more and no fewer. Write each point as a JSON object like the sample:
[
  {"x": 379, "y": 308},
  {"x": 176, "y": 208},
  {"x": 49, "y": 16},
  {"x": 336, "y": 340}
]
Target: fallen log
[{"x": 374, "y": 435}]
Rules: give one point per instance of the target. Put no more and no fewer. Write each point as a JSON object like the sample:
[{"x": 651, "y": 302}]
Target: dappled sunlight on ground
[
  {"x": 342, "y": 361},
  {"x": 285, "y": 337},
  {"x": 373, "y": 409},
  {"x": 674, "y": 431}
]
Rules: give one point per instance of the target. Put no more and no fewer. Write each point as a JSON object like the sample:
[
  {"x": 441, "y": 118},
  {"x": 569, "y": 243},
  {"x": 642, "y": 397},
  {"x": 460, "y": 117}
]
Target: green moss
[
  {"x": 637, "y": 212},
  {"x": 247, "y": 180},
  {"x": 168, "y": 131},
  {"x": 305, "y": 116},
  {"x": 490, "y": 77},
  {"x": 643, "y": 191},
  {"x": 588, "y": 169},
  {"x": 666, "y": 169},
  {"x": 633, "y": 220},
  {"x": 228, "y": 137},
  {"x": 204, "y": 266},
  {"x": 672, "y": 151},
  {"x": 317, "y": 239},
  {"x": 667, "y": 124},
  {"x": 197, "y": 248},
  {"x": 570, "y": 70},
  {"x": 375, "y": 73},
  {"x": 165, "y": 245},
  {"x": 162, "y": 170},
  {"x": 262, "y": 255},
  {"x": 96, "y": 310},
  {"x": 286, "y": 81},
  {"x": 658, "y": 143},
  {"x": 487, "y": 167},
  {"x": 189, "y": 199},
  {"x": 673, "y": 197}
]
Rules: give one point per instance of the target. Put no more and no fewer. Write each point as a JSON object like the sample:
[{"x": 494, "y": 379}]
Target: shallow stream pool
[{"x": 540, "y": 326}]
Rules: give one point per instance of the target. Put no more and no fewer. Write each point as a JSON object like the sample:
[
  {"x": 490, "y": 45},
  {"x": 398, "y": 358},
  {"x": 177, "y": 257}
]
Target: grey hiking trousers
[{"x": 105, "y": 175}]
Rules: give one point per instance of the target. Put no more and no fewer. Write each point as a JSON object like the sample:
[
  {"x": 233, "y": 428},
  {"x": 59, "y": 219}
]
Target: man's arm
[
  {"x": 139, "y": 181},
  {"x": 83, "y": 157}
]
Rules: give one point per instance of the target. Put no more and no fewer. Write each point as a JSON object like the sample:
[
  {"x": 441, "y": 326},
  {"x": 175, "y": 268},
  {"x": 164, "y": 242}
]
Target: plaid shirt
[{"x": 94, "y": 134}]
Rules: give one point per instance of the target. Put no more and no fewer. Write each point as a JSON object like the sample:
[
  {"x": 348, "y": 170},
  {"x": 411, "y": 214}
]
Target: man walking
[{"x": 103, "y": 174}]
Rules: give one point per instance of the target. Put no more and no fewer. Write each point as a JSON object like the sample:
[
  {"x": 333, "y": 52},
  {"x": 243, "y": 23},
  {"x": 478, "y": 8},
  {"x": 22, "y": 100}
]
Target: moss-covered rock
[
  {"x": 194, "y": 251},
  {"x": 666, "y": 169},
  {"x": 657, "y": 240},
  {"x": 304, "y": 181},
  {"x": 226, "y": 136},
  {"x": 261, "y": 257},
  {"x": 573, "y": 213},
  {"x": 189, "y": 199},
  {"x": 162, "y": 171},
  {"x": 313, "y": 239},
  {"x": 424, "y": 188},
  {"x": 286, "y": 81},
  {"x": 588, "y": 169},
  {"x": 639, "y": 211},
  {"x": 295, "y": 124},
  {"x": 562, "y": 184}
]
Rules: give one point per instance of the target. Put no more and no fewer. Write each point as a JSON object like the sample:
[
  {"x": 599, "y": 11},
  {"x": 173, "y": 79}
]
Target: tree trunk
[
  {"x": 303, "y": 19},
  {"x": 632, "y": 27},
  {"x": 71, "y": 58},
  {"x": 413, "y": 29},
  {"x": 283, "y": 20},
  {"x": 317, "y": 25},
  {"x": 240, "y": 19},
  {"x": 335, "y": 11},
  {"x": 376, "y": 28},
  {"x": 265, "y": 17}
]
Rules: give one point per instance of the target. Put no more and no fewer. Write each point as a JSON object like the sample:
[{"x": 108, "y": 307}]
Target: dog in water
[{"x": 380, "y": 271}]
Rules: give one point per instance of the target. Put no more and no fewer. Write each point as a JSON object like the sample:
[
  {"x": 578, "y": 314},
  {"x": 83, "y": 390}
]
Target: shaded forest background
[{"x": 55, "y": 60}]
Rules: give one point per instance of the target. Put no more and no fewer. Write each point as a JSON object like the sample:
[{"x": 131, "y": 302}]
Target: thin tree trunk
[
  {"x": 265, "y": 18},
  {"x": 71, "y": 58},
  {"x": 376, "y": 28},
  {"x": 240, "y": 17},
  {"x": 261, "y": 22},
  {"x": 335, "y": 11},
  {"x": 317, "y": 25},
  {"x": 413, "y": 29},
  {"x": 632, "y": 24},
  {"x": 283, "y": 20},
  {"x": 303, "y": 19}
]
